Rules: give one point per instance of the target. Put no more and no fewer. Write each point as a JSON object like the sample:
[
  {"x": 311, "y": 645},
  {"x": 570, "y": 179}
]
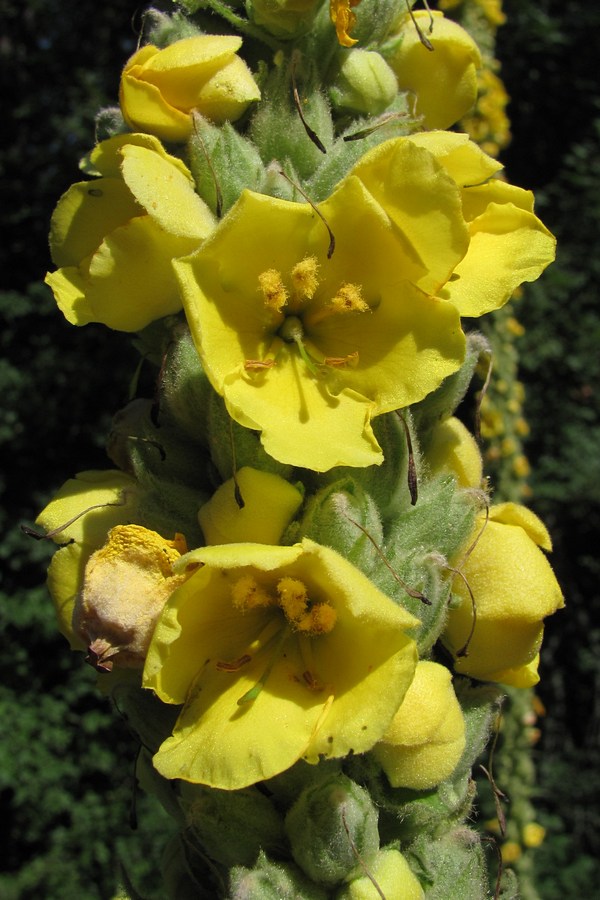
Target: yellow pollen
[
  {"x": 293, "y": 598},
  {"x": 304, "y": 278},
  {"x": 274, "y": 292},
  {"x": 319, "y": 620},
  {"x": 349, "y": 299},
  {"x": 247, "y": 593}
]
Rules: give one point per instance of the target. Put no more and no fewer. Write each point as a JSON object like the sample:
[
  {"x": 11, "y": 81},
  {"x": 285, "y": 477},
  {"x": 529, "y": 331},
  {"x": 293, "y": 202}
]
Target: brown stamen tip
[
  {"x": 258, "y": 363},
  {"x": 350, "y": 360},
  {"x": 312, "y": 683},
  {"x": 235, "y": 665}
]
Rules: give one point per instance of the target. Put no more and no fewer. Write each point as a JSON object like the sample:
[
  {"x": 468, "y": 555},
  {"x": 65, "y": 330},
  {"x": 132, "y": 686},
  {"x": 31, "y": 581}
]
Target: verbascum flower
[
  {"x": 78, "y": 519},
  {"x": 426, "y": 739},
  {"x": 305, "y": 348},
  {"x": 477, "y": 237},
  {"x": 161, "y": 88},
  {"x": 125, "y": 586},
  {"x": 513, "y": 588},
  {"x": 257, "y": 507},
  {"x": 340, "y": 12},
  {"x": 114, "y": 237},
  {"x": 443, "y": 80},
  {"x": 278, "y": 654}
]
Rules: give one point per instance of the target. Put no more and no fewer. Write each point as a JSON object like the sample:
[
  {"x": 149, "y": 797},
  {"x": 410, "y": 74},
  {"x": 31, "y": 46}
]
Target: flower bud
[
  {"x": 393, "y": 876},
  {"x": 513, "y": 588},
  {"x": 232, "y": 826},
  {"x": 330, "y": 824},
  {"x": 272, "y": 881},
  {"x": 452, "y": 448},
  {"x": 125, "y": 588},
  {"x": 269, "y": 504},
  {"x": 426, "y": 739},
  {"x": 160, "y": 88},
  {"x": 364, "y": 83},
  {"x": 444, "y": 80},
  {"x": 282, "y": 18}
]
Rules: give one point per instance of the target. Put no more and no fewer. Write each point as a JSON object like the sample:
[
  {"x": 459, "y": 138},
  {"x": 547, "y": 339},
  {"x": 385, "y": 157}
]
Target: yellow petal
[
  {"x": 166, "y": 193},
  {"x": 85, "y": 214},
  {"x": 107, "y": 158},
  {"x": 69, "y": 289},
  {"x": 444, "y": 80},
  {"x": 65, "y": 577},
  {"x": 270, "y": 502},
  {"x": 452, "y": 448},
  {"x": 508, "y": 246},
  {"x": 145, "y": 109},
  {"x": 422, "y": 202},
  {"x": 516, "y": 514},
  {"x": 463, "y": 160},
  {"x": 303, "y": 432},
  {"x": 131, "y": 282},
  {"x": 226, "y": 95}
]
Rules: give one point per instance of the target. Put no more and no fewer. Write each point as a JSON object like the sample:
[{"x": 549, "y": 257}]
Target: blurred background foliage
[{"x": 66, "y": 761}]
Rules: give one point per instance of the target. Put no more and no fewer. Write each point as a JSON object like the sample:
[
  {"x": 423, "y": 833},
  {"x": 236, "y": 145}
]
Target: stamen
[
  {"x": 293, "y": 598},
  {"x": 309, "y": 676},
  {"x": 304, "y": 278},
  {"x": 247, "y": 593},
  {"x": 254, "y": 691},
  {"x": 320, "y": 619},
  {"x": 273, "y": 288},
  {"x": 235, "y": 665},
  {"x": 350, "y": 360},
  {"x": 258, "y": 363},
  {"x": 349, "y": 299}
]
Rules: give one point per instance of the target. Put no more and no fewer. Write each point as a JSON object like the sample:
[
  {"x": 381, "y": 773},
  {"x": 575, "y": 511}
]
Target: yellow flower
[
  {"x": 268, "y": 505},
  {"x": 161, "y": 88},
  {"x": 278, "y": 654},
  {"x": 79, "y": 519},
  {"x": 306, "y": 348},
  {"x": 126, "y": 584},
  {"x": 114, "y": 238},
  {"x": 426, "y": 739},
  {"x": 514, "y": 589},
  {"x": 443, "y": 80},
  {"x": 340, "y": 12},
  {"x": 477, "y": 237},
  {"x": 533, "y": 834}
]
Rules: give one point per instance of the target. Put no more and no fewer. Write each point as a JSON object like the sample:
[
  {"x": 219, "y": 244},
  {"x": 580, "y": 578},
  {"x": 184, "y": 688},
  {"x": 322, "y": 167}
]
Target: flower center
[
  {"x": 295, "y": 314},
  {"x": 302, "y": 616}
]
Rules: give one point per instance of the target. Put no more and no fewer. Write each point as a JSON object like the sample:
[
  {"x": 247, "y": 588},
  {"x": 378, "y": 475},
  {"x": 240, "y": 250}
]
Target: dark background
[{"x": 66, "y": 761}]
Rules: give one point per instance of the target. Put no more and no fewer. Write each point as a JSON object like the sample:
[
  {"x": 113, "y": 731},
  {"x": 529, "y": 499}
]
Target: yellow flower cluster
[{"x": 324, "y": 306}]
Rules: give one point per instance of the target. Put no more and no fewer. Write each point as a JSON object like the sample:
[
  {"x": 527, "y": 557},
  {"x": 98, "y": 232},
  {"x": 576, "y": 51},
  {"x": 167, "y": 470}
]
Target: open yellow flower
[
  {"x": 278, "y": 654},
  {"x": 160, "y": 88},
  {"x": 307, "y": 348},
  {"x": 443, "y": 80},
  {"x": 114, "y": 238},
  {"x": 514, "y": 589},
  {"x": 477, "y": 237},
  {"x": 79, "y": 517}
]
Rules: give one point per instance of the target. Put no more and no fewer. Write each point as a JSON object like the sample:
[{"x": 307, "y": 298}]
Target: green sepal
[
  {"x": 231, "y": 827},
  {"x": 344, "y": 517},
  {"x": 330, "y": 824},
  {"x": 232, "y": 446},
  {"x": 171, "y": 471},
  {"x": 450, "y": 868},
  {"x": 186, "y": 876},
  {"x": 386, "y": 484},
  {"x": 417, "y": 545},
  {"x": 479, "y": 704},
  {"x": 272, "y": 881},
  {"x": 184, "y": 389},
  {"x": 223, "y": 164},
  {"x": 276, "y": 127}
]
